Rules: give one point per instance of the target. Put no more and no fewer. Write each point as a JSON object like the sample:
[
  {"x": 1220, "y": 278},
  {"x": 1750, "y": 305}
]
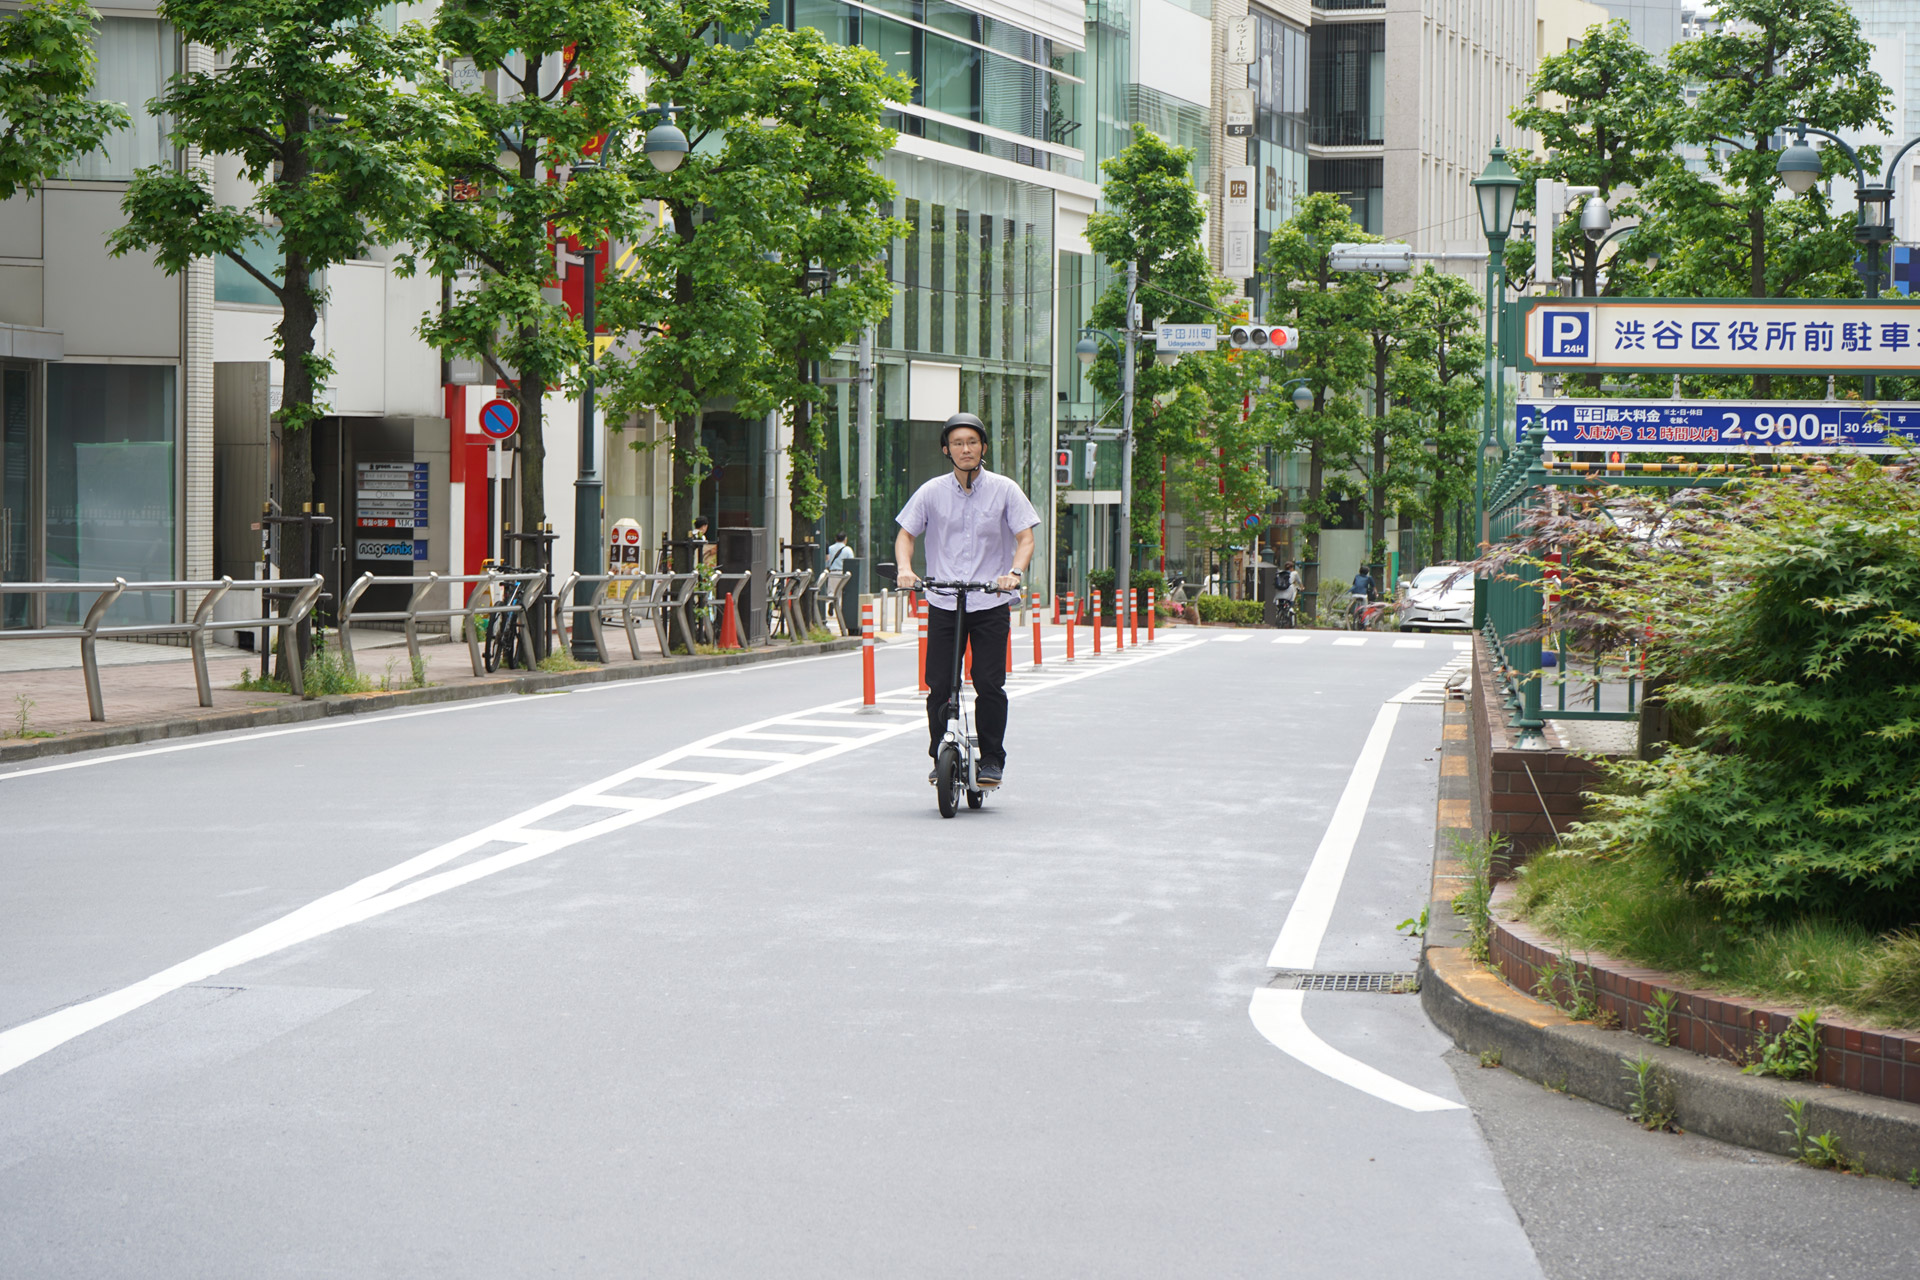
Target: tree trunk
[
  {"x": 686, "y": 441},
  {"x": 804, "y": 452},
  {"x": 1757, "y": 286},
  {"x": 1437, "y": 542},
  {"x": 531, "y": 470},
  {"x": 298, "y": 315},
  {"x": 1310, "y": 531}
]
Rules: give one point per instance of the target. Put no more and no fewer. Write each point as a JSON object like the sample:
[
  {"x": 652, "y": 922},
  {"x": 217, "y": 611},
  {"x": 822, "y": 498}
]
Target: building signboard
[
  {"x": 1721, "y": 335},
  {"x": 390, "y": 495},
  {"x": 1236, "y": 225},
  {"x": 390, "y": 549},
  {"x": 1239, "y": 113},
  {"x": 1717, "y": 426}
]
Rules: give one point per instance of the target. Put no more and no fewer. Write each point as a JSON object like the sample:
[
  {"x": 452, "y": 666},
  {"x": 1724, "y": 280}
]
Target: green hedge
[{"x": 1247, "y": 613}]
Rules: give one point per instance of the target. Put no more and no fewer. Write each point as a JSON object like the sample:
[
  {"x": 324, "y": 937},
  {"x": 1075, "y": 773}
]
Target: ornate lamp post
[
  {"x": 1800, "y": 167},
  {"x": 1498, "y": 190}
]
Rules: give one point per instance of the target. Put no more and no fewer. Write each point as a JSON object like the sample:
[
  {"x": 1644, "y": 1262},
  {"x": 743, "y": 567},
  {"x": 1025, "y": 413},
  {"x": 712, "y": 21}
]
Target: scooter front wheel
[{"x": 948, "y": 782}]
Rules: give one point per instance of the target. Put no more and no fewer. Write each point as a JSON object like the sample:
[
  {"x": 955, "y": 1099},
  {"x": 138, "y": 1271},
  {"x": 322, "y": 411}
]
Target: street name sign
[
  {"x": 1717, "y": 426},
  {"x": 1721, "y": 335},
  {"x": 1186, "y": 337}
]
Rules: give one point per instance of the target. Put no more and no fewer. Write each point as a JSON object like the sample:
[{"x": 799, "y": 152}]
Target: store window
[
  {"x": 136, "y": 57},
  {"x": 110, "y": 482}
]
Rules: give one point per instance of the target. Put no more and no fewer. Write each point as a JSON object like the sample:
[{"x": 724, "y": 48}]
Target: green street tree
[
  {"x": 47, "y": 119},
  {"x": 1734, "y": 230},
  {"x": 1221, "y": 479},
  {"x": 547, "y": 79},
  {"x": 785, "y": 131},
  {"x": 1437, "y": 380},
  {"x": 1153, "y": 218},
  {"x": 311, "y": 98},
  {"x": 1393, "y": 469},
  {"x": 1335, "y": 357},
  {"x": 1606, "y": 113}
]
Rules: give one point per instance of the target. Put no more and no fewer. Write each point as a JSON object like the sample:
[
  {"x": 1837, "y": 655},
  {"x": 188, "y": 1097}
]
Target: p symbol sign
[{"x": 1566, "y": 335}]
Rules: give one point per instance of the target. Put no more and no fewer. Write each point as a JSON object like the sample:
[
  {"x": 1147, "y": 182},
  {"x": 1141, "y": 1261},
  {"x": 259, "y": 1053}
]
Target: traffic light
[
  {"x": 1063, "y": 468},
  {"x": 1092, "y": 445},
  {"x": 1262, "y": 337}
]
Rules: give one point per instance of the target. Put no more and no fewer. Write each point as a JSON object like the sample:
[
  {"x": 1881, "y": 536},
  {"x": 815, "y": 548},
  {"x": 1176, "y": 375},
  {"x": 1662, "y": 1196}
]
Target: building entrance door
[{"x": 18, "y": 508}]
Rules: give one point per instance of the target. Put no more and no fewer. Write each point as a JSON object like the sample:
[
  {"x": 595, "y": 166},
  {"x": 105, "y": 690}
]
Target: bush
[
  {"x": 1246, "y": 613},
  {"x": 1785, "y": 617}
]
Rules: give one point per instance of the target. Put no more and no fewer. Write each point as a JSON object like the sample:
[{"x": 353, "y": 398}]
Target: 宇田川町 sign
[{"x": 1722, "y": 335}]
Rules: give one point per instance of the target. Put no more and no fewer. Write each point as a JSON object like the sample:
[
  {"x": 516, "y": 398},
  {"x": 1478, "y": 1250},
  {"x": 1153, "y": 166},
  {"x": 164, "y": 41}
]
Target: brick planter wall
[
  {"x": 1527, "y": 796},
  {"x": 1885, "y": 1064}
]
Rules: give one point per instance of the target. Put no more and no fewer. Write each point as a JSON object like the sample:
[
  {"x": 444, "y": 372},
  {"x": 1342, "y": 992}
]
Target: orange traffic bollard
[
  {"x": 1150, "y": 612},
  {"x": 1036, "y": 628},
  {"x": 1073, "y": 624},
  {"x": 1133, "y": 618},
  {"x": 729, "y": 626},
  {"x": 1096, "y": 620},
  {"x": 920, "y": 612},
  {"x": 1119, "y": 623},
  {"x": 867, "y": 689}
]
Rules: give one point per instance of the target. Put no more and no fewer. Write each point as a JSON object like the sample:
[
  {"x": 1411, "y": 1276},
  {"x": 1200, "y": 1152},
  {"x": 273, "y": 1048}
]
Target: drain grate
[{"x": 1389, "y": 984}]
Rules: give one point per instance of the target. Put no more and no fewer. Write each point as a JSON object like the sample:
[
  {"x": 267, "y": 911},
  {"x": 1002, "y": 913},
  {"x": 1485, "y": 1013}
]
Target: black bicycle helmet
[{"x": 963, "y": 420}]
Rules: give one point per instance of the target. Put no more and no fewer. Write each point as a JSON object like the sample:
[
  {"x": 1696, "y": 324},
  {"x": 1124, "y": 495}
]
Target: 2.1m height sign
[{"x": 1718, "y": 426}]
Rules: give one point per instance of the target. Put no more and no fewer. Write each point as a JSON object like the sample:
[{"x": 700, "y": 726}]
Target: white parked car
[{"x": 1431, "y": 602}]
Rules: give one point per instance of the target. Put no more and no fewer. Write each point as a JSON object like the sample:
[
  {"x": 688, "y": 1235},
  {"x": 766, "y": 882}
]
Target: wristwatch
[{"x": 1017, "y": 574}]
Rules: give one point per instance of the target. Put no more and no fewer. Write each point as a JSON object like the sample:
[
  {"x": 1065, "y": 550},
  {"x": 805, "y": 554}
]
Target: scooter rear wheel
[{"x": 949, "y": 784}]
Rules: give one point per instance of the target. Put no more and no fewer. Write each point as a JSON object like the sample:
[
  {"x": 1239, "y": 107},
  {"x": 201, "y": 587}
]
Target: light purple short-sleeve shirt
[{"x": 968, "y": 534}]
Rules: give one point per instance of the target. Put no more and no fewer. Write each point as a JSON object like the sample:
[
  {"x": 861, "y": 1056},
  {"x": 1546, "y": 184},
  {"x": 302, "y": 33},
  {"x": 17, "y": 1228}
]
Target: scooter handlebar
[{"x": 937, "y": 585}]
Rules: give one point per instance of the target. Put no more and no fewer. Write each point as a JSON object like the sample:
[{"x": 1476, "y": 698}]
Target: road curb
[
  {"x": 188, "y": 726},
  {"x": 1482, "y": 1014}
]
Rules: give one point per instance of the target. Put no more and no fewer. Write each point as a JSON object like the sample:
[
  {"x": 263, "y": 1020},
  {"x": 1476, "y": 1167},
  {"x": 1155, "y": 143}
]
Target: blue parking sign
[{"x": 1566, "y": 335}]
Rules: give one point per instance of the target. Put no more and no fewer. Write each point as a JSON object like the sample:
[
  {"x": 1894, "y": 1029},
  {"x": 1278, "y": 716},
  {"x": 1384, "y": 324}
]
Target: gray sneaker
[{"x": 989, "y": 774}]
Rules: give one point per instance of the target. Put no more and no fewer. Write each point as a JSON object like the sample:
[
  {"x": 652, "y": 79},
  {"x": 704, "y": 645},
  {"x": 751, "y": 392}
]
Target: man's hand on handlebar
[
  {"x": 1007, "y": 582},
  {"x": 907, "y": 579}
]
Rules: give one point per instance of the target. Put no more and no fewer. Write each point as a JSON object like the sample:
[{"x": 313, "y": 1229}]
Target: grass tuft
[{"x": 1631, "y": 910}]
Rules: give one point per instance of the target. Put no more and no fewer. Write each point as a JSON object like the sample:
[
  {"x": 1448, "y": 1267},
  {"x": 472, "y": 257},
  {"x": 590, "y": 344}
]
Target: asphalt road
[{"x": 527, "y": 987}]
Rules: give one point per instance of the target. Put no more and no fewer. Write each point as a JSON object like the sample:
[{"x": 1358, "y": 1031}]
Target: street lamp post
[
  {"x": 665, "y": 148},
  {"x": 1087, "y": 348},
  {"x": 1497, "y": 189},
  {"x": 1800, "y": 167}
]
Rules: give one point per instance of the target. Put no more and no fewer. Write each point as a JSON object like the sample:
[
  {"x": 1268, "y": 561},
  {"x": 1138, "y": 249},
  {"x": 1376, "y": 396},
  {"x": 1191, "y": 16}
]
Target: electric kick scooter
[{"x": 956, "y": 767}]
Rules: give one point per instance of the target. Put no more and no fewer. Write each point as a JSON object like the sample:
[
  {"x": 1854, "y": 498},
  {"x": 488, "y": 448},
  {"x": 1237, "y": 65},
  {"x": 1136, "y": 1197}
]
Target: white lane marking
[
  {"x": 1280, "y": 1016},
  {"x": 1351, "y": 640},
  {"x": 1306, "y": 924},
  {"x": 734, "y": 753},
  {"x": 503, "y": 699},
  {"x": 409, "y": 881},
  {"x": 1232, "y": 639},
  {"x": 1431, "y": 690},
  {"x": 1463, "y": 644},
  {"x": 1409, "y": 644},
  {"x": 1290, "y": 640}
]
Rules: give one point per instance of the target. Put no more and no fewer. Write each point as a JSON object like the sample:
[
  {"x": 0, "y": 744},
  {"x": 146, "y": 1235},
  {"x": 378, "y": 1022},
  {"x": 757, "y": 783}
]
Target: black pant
[{"x": 987, "y": 632}]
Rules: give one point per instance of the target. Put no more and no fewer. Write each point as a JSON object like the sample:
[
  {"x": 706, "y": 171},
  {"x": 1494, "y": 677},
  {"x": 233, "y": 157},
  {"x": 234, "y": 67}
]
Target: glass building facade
[{"x": 973, "y": 277}]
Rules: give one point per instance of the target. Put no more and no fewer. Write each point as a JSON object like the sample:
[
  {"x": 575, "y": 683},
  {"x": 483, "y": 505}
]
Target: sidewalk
[{"x": 149, "y": 692}]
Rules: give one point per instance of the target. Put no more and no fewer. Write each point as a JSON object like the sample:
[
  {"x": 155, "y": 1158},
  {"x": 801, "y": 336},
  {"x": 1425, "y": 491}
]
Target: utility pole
[
  {"x": 587, "y": 534},
  {"x": 863, "y": 425},
  {"x": 1122, "y": 570}
]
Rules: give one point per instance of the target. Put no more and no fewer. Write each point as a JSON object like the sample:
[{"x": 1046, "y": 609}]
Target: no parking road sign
[{"x": 499, "y": 419}]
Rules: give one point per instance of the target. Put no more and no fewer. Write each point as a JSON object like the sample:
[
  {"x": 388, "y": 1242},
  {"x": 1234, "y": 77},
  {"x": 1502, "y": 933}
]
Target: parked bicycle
[{"x": 503, "y": 640}]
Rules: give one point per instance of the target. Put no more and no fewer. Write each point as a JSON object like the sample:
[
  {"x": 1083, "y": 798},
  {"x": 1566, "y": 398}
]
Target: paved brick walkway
[{"x": 143, "y": 683}]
